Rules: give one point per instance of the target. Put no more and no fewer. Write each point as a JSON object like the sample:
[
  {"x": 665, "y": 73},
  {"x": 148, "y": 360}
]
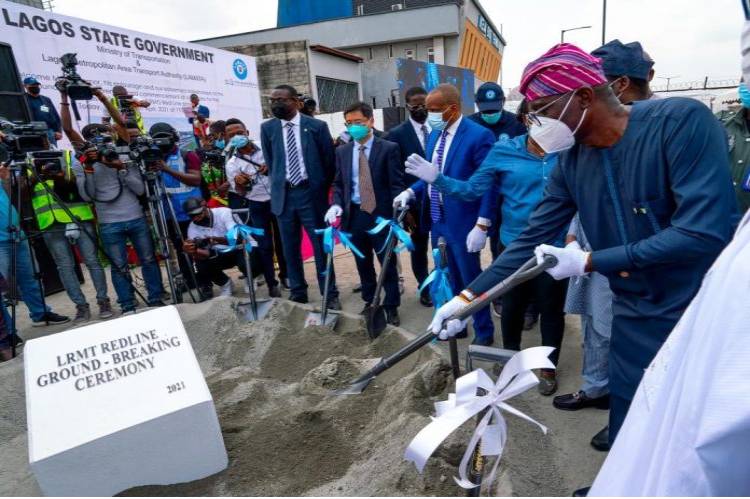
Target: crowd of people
[{"x": 634, "y": 195}]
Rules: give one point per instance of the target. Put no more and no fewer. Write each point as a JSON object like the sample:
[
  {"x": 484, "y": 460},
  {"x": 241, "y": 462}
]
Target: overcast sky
[{"x": 690, "y": 39}]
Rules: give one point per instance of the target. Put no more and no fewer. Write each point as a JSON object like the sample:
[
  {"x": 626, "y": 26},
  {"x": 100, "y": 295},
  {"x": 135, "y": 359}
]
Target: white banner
[{"x": 162, "y": 71}]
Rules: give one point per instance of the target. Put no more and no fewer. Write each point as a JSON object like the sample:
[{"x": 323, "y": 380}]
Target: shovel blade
[
  {"x": 246, "y": 310},
  {"x": 376, "y": 322},
  {"x": 355, "y": 388},
  {"x": 316, "y": 319}
]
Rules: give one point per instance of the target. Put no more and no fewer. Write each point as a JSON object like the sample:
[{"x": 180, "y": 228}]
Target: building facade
[{"x": 455, "y": 33}]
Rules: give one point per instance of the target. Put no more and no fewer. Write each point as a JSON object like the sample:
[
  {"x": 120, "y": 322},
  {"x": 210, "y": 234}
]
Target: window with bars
[{"x": 335, "y": 95}]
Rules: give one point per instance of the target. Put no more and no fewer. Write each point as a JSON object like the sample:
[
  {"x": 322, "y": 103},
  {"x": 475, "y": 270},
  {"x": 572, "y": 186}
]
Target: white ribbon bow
[{"x": 515, "y": 378}]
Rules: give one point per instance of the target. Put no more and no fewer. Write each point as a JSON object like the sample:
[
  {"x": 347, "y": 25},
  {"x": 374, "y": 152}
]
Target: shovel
[
  {"x": 452, "y": 342},
  {"x": 528, "y": 271},
  {"x": 376, "y": 319},
  {"x": 325, "y": 317},
  {"x": 256, "y": 309}
]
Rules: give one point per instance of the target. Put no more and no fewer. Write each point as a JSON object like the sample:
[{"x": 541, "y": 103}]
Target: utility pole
[
  {"x": 669, "y": 78},
  {"x": 604, "y": 22}
]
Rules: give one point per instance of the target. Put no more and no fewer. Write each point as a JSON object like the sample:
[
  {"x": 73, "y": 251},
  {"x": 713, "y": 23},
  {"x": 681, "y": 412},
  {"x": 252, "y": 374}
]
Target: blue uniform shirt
[
  {"x": 657, "y": 207},
  {"x": 42, "y": 109}
]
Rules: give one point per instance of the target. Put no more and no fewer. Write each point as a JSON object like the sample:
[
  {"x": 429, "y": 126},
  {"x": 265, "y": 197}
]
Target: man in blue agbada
[{"x": 651, "y": 184}]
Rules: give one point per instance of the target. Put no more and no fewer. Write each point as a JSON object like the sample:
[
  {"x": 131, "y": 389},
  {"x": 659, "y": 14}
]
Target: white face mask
[{"x": 552, "y": 135}]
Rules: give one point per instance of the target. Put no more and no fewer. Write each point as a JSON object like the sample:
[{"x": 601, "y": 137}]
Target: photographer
[
  {"x": 214, "y": 183},
  {"x": 25, "y": 272},
  {"x": 114, "y": 184},
  {"x": 128, "y": 105},
  {"x": 180, "y": 172},
  {"x": 207, "y": 230},
  {"x": 248, "y": 179},
  {"x": 52, "y": 182},
  {"x": 119, "y": 125}
]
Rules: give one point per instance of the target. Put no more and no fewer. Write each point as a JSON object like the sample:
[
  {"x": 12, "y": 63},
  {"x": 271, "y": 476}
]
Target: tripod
[{"x": 157, "y": 197}]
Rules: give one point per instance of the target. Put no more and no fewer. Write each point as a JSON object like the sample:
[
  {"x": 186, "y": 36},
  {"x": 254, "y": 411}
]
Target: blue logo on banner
[{"x": 240, "y": 69}]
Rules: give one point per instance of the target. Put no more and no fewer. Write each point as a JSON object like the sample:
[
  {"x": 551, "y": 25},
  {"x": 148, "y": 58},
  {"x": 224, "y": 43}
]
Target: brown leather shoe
[{"x": 547, "y": 382}]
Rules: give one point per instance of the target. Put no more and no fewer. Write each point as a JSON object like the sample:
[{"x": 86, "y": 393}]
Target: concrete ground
[{"x": 569, "y": 432}]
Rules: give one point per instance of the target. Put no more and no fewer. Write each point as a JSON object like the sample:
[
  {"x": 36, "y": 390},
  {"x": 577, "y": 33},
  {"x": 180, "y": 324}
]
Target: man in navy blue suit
[
  {"x": 369, "y": 174},
  {"x": 300, "y": 157},
  {"x": 411, "y": 137},
  {"x": 457, "y": 146}
]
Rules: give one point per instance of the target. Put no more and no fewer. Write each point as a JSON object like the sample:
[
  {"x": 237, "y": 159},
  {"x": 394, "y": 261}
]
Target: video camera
[
  {"x": 46, "y": 162},
  {"x": 147, "y": 150},
  {"x": 214, "y": 157},
  {"x": 202, "y": 243},
  {"x": 71, "y": 82},
  {"x": 22, "y": 139}
]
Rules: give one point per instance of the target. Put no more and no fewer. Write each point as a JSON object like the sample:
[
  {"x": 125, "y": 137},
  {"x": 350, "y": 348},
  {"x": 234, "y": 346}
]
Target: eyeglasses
[
  {"x": 533, "y": 117},
  {"x": 418, "y": 107}
]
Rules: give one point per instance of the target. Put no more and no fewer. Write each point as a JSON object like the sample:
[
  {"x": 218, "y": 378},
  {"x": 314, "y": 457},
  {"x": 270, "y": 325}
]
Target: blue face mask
[
  {"x": 744, "y": 95},
  {"x": 239, "y": 141},
  {"x": 436, "y": 121},
  {"x": 358, "y": 132},
  {"x": 492, "y": 118},
  {"x": 219, "y": 144}
]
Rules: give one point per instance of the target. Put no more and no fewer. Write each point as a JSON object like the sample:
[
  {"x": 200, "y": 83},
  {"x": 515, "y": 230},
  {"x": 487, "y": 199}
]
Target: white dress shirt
[
  {"x": 261, "y": 189},
  {"x": 298, "y": 136},
  {"x": 418, "y": 131},
  {"x": 448, "y": 141}
]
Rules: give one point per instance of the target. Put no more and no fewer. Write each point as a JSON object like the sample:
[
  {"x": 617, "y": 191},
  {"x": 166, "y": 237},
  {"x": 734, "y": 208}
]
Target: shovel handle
[{"x": 528, "y": 271}]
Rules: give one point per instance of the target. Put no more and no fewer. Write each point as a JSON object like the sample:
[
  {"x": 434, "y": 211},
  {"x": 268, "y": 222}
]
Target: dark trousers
[
  {"x": 300, "y": 210},
  {"x": 181, "y": 257},
  {"x": 464, "y": 267},
  {"x": 278, "y": 249},
  {"x": 260, "y": 217},
  {"x": 211, "y": 270},
  {"x": 550, "y": 299},
  {"x": 359, "y": 223},
  {"x": 419, "y": 257}
]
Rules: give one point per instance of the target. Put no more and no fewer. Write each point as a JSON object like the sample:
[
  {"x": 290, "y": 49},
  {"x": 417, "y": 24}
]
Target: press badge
[{"x": 44, "y": 109}]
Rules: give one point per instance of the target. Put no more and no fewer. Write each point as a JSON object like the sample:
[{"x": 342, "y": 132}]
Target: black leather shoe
[
  {"x": 299, "y": 299},
  {"x": 583, "y": 492},
  {"x": 600, "y": 441},
  {"x": 579, "y": 400},
  {"x": 391, "y": 317},
  {"x": 426, "y": 301},
  {"x": 334, "y": 304},
  {"x": 485, "y": 342},
  {"x": 274, "y": 292}
]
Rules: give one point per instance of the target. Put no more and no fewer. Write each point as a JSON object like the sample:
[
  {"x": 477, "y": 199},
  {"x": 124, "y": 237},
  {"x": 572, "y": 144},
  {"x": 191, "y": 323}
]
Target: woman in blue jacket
[{"x": 518, "y": 169}]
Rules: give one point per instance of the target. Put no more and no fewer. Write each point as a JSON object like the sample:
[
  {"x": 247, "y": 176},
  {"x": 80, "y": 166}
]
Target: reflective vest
[
  {"x": 46, "y": 208},
  {"x": 135, "y": 111},
  {"x": 177, "y": 191}
]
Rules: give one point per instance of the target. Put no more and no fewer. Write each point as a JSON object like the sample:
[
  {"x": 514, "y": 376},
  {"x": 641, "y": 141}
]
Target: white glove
[
  {"x": 573, "y": 244},
  {"x": 402, "y": 200},
  {"x": 454, "y": 326},
  {"x": 421, "y": 168},
  {"x": 476, "y": 240},
  {"x": 571, "y": 261},
  {"x": 332, "y": 214}
]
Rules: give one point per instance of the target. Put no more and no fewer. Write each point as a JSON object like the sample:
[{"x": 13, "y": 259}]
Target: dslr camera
[
  {"x": 22, "y": 139},
  {"x": 71, "y": 82}
]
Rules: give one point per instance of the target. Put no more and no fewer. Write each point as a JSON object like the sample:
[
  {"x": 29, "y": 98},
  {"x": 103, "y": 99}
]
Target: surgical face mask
[
  {"x": 553, "y": 135},
  {"x": 219, "y": 144},
  {"x": 611, "y": 85},
  {"x": 744, "y": 94},
  {"x": 419, "y": 114},
  {"x": 358, "y": 132},
  {"x": 34, "y": 90},
  {"x": 281, "y": 111},
  {"x": 436, "y": 121},
  {"x": 492, "y": 118},
  {"x": 239, "y": 141}
]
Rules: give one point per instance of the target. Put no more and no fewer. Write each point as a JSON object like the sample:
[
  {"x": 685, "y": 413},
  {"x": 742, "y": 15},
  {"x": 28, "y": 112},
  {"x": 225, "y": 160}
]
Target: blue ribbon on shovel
[
  {"x": 440, "y": 288},
  {"x": 403, "y": 236},
  {"x": 244, "y": 231},
  {"x": 330, "y": 235}
]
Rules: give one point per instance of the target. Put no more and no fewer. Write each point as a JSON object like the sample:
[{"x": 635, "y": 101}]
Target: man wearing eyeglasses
[
  {"x": 301, "y": 165},
  {"x": 651, "y": 184}
]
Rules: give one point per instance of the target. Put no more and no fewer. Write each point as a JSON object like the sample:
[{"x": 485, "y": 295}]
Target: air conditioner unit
[{"x": 397, "y": 6}]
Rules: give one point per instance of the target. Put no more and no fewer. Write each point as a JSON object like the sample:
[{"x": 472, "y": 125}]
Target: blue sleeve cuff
[{"x": 611, "y": 260}]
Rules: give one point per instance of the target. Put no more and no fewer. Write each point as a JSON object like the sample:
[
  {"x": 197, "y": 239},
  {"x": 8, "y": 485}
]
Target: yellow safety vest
[
  {"x": 136, "y": 114},
  {"x": 46, "y": 208}
]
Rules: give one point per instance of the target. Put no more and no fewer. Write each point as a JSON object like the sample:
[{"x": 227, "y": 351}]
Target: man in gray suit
[{"x": 300, "y": 157}]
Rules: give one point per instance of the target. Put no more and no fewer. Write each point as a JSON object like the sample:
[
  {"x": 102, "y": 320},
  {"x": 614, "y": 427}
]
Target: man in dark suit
[
  {"x": 369, "y": 174},
  {"x": 457, "y": 146},
  {"x": 299, "y": 154},
  {"x": 411, "y": 137}
]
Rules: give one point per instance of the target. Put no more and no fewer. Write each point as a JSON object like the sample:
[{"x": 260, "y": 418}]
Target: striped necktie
[
  {"x": 292, "y": 156},
  {"x": 425, "y": 135},
  {"x": 436, "y": 208}
]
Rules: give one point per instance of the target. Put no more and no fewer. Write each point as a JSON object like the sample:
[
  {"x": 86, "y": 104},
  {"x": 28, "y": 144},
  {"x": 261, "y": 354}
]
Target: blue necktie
[
  {"x": 292, "y": 156},
  {"x": 436, "y": 208}
]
